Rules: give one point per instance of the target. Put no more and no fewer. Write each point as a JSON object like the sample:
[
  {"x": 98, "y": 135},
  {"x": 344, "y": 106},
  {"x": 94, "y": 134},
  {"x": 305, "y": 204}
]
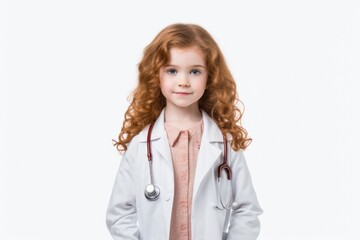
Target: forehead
[{"x": 186, "y": 56}]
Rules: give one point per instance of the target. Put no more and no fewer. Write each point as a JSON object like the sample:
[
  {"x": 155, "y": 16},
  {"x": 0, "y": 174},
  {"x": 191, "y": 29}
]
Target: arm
[
  {"x": 244, "y": 222},
  {"x": 121, "y": 215}
]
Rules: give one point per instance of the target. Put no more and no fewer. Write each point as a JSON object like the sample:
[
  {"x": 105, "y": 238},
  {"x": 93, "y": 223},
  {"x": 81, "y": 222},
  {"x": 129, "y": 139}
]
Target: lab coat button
[{"x": 168, "y": 198}]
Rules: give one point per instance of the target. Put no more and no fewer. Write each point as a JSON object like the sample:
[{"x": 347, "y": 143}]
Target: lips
[{"x": 182, "y": 93}]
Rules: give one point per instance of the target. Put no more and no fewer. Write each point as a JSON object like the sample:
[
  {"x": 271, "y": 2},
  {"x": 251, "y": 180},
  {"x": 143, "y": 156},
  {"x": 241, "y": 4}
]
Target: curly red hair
[{"x": 220, "y": 97}]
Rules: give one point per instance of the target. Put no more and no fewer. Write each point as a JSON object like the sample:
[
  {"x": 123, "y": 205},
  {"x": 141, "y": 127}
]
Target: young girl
[{"x": 183, "y": 174}]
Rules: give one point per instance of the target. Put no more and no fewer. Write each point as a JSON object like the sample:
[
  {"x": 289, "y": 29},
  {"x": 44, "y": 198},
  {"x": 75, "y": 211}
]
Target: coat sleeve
[
  {"x": 244, "y": 222},
  {"x": 121, "y": 215}
]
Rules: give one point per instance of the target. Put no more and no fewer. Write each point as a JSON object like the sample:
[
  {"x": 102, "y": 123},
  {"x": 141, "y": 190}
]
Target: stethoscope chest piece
[{"x": 152, "y": 192}]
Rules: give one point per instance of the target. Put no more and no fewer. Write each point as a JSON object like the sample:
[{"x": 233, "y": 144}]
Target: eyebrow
[{"x": 171, "y": 65}]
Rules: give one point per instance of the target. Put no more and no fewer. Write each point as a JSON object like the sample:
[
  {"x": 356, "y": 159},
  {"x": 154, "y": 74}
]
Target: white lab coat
[{"x": 131, "y": 216}]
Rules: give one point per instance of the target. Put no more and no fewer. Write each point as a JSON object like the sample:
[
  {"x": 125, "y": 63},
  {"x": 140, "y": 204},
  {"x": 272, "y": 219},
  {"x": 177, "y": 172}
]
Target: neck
[{"x": 182, "y": 115}]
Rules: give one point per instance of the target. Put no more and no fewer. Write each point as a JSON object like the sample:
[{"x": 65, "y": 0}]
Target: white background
[{"x": 68, "y": 67}]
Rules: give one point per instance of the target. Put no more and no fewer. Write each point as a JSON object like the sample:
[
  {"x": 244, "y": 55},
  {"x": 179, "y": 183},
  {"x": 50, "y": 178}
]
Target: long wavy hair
[{"x": 219, "y": 100}]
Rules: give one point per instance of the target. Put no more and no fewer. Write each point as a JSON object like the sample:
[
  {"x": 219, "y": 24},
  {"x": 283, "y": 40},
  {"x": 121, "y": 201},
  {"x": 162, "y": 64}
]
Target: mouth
[{"x": 183, "y": 93}]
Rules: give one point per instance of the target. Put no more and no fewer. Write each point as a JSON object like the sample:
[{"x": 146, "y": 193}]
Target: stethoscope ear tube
[{"x": 224, "y": 165}]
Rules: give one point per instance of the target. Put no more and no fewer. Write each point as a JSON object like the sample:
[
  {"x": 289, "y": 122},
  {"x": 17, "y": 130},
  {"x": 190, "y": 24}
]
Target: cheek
[
  {"x": 201, "y": 84},
  {"x": 161, "y": 81},
  {"x": 164, "y": 85}
]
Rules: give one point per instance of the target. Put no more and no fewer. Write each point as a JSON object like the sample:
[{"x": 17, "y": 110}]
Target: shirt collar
[{"x": 173, "y": 133}]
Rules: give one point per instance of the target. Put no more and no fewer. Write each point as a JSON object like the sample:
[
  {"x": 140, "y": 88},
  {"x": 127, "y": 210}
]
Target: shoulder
[
  {"x": 138, "y": 138},
  {"x": 212, "y": 131},
  {"x": 132, "y": 146},
  {"x": 141, "y": 137}
]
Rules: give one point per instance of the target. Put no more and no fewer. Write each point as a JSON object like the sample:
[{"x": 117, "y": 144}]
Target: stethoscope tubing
[{"x": 152, "y": 192}]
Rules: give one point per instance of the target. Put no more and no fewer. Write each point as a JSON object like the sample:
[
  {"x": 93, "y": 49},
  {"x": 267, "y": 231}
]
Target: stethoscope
[{"x": 152, "y": 192}]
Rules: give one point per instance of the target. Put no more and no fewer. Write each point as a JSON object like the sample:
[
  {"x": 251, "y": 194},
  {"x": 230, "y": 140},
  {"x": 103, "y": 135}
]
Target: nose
[{"x": 184, "y": 81}]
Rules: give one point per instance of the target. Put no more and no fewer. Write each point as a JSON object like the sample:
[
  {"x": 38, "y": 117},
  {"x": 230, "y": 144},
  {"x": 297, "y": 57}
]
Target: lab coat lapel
[
  {"x": 209, "y": 152},
  {"x": 159, "y": 140}
]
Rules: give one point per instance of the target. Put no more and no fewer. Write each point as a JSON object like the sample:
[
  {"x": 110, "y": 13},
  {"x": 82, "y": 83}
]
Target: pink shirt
[{"x": 184, "y": 147}]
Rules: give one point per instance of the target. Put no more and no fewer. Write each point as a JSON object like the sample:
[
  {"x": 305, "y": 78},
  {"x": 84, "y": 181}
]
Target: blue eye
[
  {"x": 195, "y": 72},
  {"x": 171, "y": 71}
]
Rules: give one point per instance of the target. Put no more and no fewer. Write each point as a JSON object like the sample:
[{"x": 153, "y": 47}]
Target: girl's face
[{"x": 183, "y": 79}]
